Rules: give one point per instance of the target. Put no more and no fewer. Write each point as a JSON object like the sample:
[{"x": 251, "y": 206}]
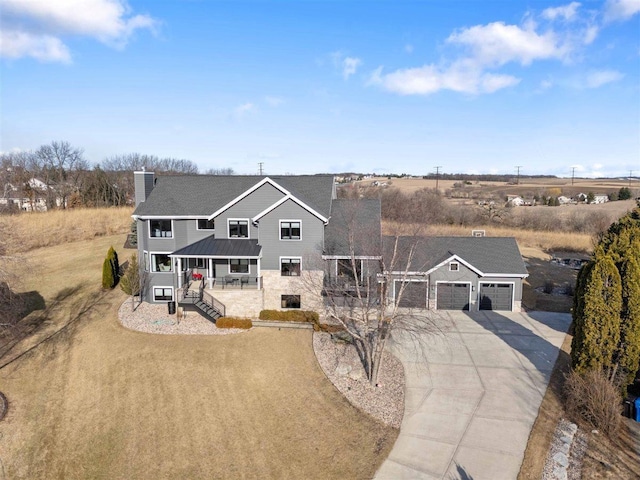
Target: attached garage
[
  {"x": 414, "y": 294},
  {"x": 496, "y": 296},
  {"x": 453, "y": 296}
]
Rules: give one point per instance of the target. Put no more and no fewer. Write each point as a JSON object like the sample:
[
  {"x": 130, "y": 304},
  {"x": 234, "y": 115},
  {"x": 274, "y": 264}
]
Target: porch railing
[{"x": 213, "y": 302}]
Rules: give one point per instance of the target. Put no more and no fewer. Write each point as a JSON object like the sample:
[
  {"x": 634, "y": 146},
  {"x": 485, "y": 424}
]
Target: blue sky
[{"x": 307, "y": 87}]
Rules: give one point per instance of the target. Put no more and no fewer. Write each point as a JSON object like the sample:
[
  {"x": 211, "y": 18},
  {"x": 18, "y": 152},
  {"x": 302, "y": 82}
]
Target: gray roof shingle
[
  {"x": 221, "y": 247},
  {"x": 202, "y": 195},
  {"x": 490, "y": 255},
  {"x": 354, "y": 224}
]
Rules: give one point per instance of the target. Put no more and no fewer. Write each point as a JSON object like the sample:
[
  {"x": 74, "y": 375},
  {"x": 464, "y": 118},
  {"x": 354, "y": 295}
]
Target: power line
[
  {"x": 437, "y": 176},
  {"x": 518, "y": 167},
  {"x": 573, "y": 174},
  {"x": 260, "y": 164}
]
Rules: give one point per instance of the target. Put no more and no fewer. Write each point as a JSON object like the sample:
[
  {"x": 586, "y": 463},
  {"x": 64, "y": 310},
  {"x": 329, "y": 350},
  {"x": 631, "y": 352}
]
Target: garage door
[
  {"x": 414, "y": 295},
  {"x": 496, "y": 296},
  {"x": 453, "y": 296}
]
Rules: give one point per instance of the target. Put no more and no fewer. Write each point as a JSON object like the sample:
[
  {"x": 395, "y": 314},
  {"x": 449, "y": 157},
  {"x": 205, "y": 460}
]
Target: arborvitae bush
[
  {"x": 112, "y": 255},
  {"x": 630, "y": 316},
  {"x": 597, "y": 316},
  {"x": 108, "y": 281}
]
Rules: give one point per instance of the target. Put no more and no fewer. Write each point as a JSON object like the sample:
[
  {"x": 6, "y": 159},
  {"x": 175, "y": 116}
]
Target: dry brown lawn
[
  {"x": 27, "y": 231},
  {"x": 90, "y": 399}
]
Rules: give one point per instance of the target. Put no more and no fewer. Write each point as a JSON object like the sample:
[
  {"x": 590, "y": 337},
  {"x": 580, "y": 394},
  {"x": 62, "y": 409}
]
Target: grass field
[{"x": 94, "y": 400}]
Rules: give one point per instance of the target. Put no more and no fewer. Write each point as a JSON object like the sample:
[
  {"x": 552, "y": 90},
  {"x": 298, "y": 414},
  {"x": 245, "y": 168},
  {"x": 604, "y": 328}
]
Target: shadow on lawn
[{"x": 61, "y": 316}]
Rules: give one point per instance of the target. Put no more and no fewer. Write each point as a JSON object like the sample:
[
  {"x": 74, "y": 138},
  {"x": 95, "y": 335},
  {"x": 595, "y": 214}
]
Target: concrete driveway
[{"x": 472, "y": 394}]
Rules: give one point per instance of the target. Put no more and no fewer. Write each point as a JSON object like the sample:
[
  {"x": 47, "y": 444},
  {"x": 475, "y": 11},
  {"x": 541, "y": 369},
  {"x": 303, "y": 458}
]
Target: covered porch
[{"x": 219, "y": 264}]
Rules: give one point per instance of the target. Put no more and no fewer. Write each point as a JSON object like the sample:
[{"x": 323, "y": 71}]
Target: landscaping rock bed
[
  {"x": 341, "y": 364},
  {"x": 564, "y": 460},
  {"x": 154, "y": 318}
]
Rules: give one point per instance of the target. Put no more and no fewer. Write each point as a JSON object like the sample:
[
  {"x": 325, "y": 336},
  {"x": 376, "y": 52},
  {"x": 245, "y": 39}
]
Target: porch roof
[{"x": 221, "y": 248}]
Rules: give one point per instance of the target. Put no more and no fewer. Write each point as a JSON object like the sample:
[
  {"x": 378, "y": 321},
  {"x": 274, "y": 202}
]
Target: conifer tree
[
  {"x": 597, "y": 321},
  {"x": 107, "y": 274},
  {"x": 629, "y": 355}
]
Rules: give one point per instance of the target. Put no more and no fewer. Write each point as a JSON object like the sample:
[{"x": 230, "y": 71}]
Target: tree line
[{"x": 61, "y": 174}]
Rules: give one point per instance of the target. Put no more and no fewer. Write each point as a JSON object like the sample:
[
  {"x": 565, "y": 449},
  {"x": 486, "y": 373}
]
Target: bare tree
[
  {"x": 220, "y": 171},
  {"x": 61, "y": 165},
  {"x": 365, "y": 280}
]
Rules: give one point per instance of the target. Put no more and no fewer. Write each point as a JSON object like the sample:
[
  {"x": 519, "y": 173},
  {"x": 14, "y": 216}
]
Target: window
[
  {"x": 238, "y": 228},
  {"x": 195, "y": 262},
  {"x": 160, "y": 228},
  {"x": 204, "y": 224},
  {"x": 290, "y": 301},
  {"x": 160, "y": 262},
  {"x": 454, "y": 266},
  {"x": 162, "y": 293},
  {"x": 290, "y": 230},
  {"x": 345, "y": 268},
  {"x": 146, "y": 261},
  {"x": 238, "y": 265},
  {"x": 290, "y": 267}
]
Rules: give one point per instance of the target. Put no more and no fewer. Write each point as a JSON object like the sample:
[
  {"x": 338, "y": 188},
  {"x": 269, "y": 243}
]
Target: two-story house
[{"x": 244, "y": 240}]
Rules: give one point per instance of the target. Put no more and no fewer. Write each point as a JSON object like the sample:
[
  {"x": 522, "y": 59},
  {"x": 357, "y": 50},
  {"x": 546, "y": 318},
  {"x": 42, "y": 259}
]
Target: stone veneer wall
[{"x": 248, "y": 303}]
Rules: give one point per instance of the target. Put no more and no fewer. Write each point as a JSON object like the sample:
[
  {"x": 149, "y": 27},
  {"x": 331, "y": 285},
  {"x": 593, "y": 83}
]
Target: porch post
[
  {"x": 179, "y": 268},
  {"x": 210, "y": 273},
  {"x": 258, "y": 279}
]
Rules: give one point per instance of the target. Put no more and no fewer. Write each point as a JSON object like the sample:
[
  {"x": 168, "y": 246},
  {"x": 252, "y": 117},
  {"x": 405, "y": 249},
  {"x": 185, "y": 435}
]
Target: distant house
[
  {"x": 564, "y": 200},
  {"x": 515, "y": 200},
  {"x": 597, "y": 198},
  {"x": 30, "y": 197}
]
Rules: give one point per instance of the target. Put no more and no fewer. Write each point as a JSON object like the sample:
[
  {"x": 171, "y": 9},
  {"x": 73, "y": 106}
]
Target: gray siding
[
  {"x": 309, "y": 247},
  {"x": 248, "y": 208}
]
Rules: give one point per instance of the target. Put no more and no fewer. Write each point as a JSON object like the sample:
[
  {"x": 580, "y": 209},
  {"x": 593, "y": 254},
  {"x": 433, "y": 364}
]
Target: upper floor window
[
  {"x": 454, "y": 266},
  {"x": 290, "y": 230},
  {"x": 238, "y": 228},
  {"x": 204, "y": 224},
  {"x": 160, "y": 228},
  {"x": 290, "y": 267}
]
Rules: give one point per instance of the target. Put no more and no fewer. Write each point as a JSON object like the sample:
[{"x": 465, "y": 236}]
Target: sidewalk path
[{"x": 472, "y": 394}]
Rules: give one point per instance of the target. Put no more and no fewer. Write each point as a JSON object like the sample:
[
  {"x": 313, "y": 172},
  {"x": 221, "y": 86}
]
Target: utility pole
[
  {"x": 630, "y": 175},
  {"x": 518, "y": 177},
  {"x": 573, "y": 174},
  {"x": 260, "y": 164},
  {"x": 437, "y": 176}
]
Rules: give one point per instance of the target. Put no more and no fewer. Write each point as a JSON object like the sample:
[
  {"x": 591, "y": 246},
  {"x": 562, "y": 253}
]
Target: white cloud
[
  {"x": 498, "y": 44},
  {"x": 566, "y": 12},
  {"x": 621, "y": 9},
  {"x": 45, "y": 48},
  {"x": 460, "y": 77},
  {"x": 273, "y": 101},
  {"x": 36, "y": 28},
  {"x": 243, "y": 109},
  {"x": 347, "y": 65},
  {"x": 408, "y": 48},
  {"x": 597, "y": 79}
]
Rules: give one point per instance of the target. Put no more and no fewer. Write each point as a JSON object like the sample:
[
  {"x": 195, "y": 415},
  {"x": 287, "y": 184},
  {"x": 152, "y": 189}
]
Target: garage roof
[{"x": 489, "y": 255}]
